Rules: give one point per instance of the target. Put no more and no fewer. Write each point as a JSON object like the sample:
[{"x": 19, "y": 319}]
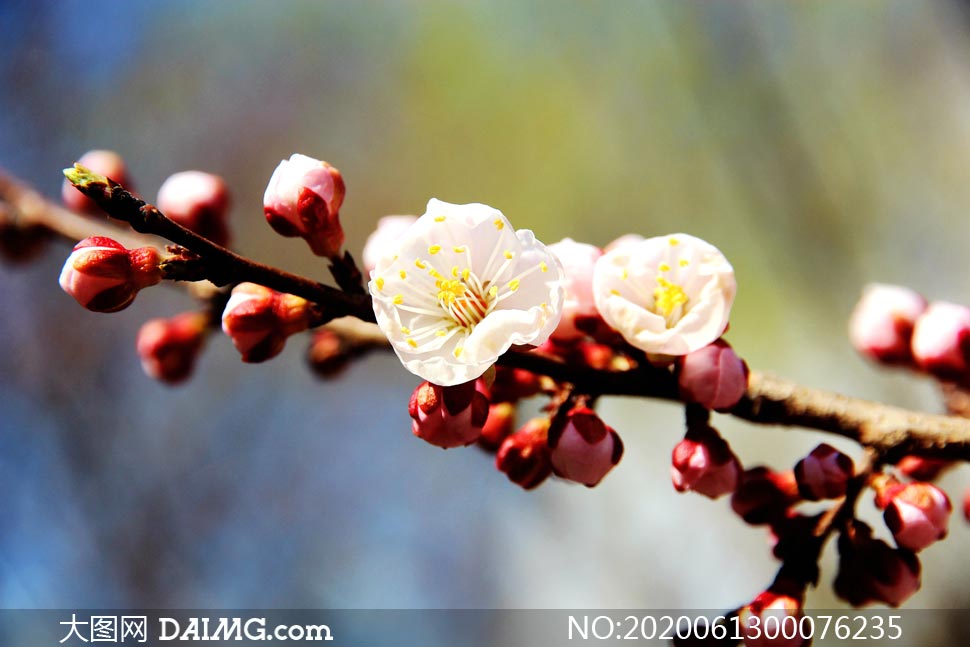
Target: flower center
[
  {"x": 466, "y": 305},
  {"x": 669, "y": 300}
]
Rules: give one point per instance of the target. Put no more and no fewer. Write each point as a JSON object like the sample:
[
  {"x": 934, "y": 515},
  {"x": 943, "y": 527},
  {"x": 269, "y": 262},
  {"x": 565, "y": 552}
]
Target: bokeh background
[{"x": 820, "y": 145}]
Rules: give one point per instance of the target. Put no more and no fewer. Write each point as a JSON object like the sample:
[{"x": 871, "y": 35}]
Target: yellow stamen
[
  {"x": 434, "y": 249},
  {"x": 412, "y": 343},
  {"x": 398, "y": 299},
  {"x": 442, "y": 332},
  {"x": 419, "y": 264},
  {"x": 508, "y": 254},
  {"x": 664, "y": 267},
  {"x": 514, "y": 284},
  {"x": 493, "y": 291},
  {"x": 458, "y": 350},
  {"x": 459, "y": 249},
  {"x": 684, "y": 262},
  {"x": 615, "y": 292},
  {"x": 543, "y": 267},
  {"x": 625, "y": 274},
  {"x": 673, "y": 241},
  {"x": 404, "y": 274},
  {"x": 379, "y": 282},
  {"x": 667, "y": 296},
  {"x": 499, "y": 224},
  {"x": 405, "y": 330},
  {"x": 439, "y": 218}
]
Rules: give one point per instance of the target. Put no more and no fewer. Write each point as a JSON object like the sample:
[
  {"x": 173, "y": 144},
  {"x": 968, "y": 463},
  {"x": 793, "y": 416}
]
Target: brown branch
[{"x": 890, "y": 431}]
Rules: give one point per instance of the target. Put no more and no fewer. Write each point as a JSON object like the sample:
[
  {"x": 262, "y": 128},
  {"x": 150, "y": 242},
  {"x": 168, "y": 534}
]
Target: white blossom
[
  {"x": 669, "y": 295},
  {"x": 460, "y": 288}
]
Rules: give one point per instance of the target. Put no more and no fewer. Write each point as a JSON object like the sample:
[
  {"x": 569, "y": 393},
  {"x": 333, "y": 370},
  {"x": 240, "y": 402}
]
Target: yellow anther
[
  {"x": 412, "y": 343},
  {"x": 434, "y": 249},
  {"x": 458, "y": 350},
  {"x": 543, "y": 266},
  {"x": 419, "y": 264},
  {"x": 673, "y": 241},
  {"x": 454, "y": 272},
  {"x": 439, "y": 218},
  {"x": 458, "y": 249},
  {"x": 493, "y": 291},
  {"x": 664, "y": 267},
  {"x": 403, "y": 274},
  {"x": 615, "y": 292},
  {"x": 514, "y": 284},
  {"x": 379, "y": 282},
  {"x": 499, "y": 224},
  {"x": 442, "y": 332},
  {"x": 405, "y": 330},
  {"x": 398, "y": 299},
  {"x": 450, "y": 290},
  {"x": 465, "y": 273},
  {"x": 684, "y": 262},
  {"x": 667, "y": 296},
  {"x": 435, "y": 273},
  {"x": 508, "y": 254},
  {"x": 625, "y": 274}
]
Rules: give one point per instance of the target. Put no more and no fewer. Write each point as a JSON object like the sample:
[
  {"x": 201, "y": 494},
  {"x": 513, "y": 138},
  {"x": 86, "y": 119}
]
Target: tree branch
[{"x": 890, "y": 431}]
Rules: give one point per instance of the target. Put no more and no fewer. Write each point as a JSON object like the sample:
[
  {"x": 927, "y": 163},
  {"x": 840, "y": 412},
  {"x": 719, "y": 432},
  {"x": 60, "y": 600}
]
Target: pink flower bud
[
  {"x": 303, "y": 199},
  {"x": 498, "y": 426},
  {"x": 448, "y": 416},
  {"x": 917, "y": 513},
  {"x": 168, "y": 347},
  {"x": 524, "y": 456},
  {"x": 760, "y": 631},
  {"x": 704, "y": 463},
  {"x": 871, "y": 571},
  {"x": 714, "y": 376},
  {"x": 258, "y": 320},
  {"x": 823, "y": 474},
  {"x": 584, "y": 449},
  {"x": 198, "y": 201},
  {"x": 328, "y": 353},
  {"x": 941, "y": 340},
  {"x": 103, "y": 276},
  {"x": 764, "y": 495},
  {"x": 919, "y": 468},
  {"x": 881, "y": 325},
  {"x": 578, "y": 260},
  {"x": 386, "y": 236},
  {"x": 103, "y": 162}
]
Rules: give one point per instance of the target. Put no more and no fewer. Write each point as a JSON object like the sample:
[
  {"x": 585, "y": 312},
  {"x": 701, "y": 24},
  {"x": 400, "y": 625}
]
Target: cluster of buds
[{"x": 895, "y": 325}]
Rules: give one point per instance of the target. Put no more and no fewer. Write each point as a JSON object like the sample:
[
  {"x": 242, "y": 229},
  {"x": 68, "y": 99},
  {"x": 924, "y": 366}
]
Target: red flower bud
[
  {"x": 498, "y": 426},
  {"x": 448, "y": 416},
  {"x": 871, "y": 571},
  {"x": 881, "y": 326},
  {"x": 917, "y": 513},
  {"x": 524, "y": 456},
  {"x": 584, "y": 449},
  {"x": 513, "y": 384},
  {"x": 941, "y": 340},
  {"x": 258, "y": 320},
  {"x": 714, "y": 376},
  {"x": 704, "y": 463},
  {"x": 823, "y": 474},
  {"x": 168, "y": 347},
  {"x": 328, "y": 353},
  {"x": 764, "y": 495},
  {"x": 760, "y": 631},
  {"x": 919, "y": 468},
  {"x": 103, "y": 276},
  {"x": 198, "y": 201},
  {"x": 303, "y": 199},
  {"x": 102, "y": 162}
]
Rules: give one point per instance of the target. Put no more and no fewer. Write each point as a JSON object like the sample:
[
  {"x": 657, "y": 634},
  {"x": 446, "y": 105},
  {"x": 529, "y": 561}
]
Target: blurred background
[{"x": 820, "y": 145}]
